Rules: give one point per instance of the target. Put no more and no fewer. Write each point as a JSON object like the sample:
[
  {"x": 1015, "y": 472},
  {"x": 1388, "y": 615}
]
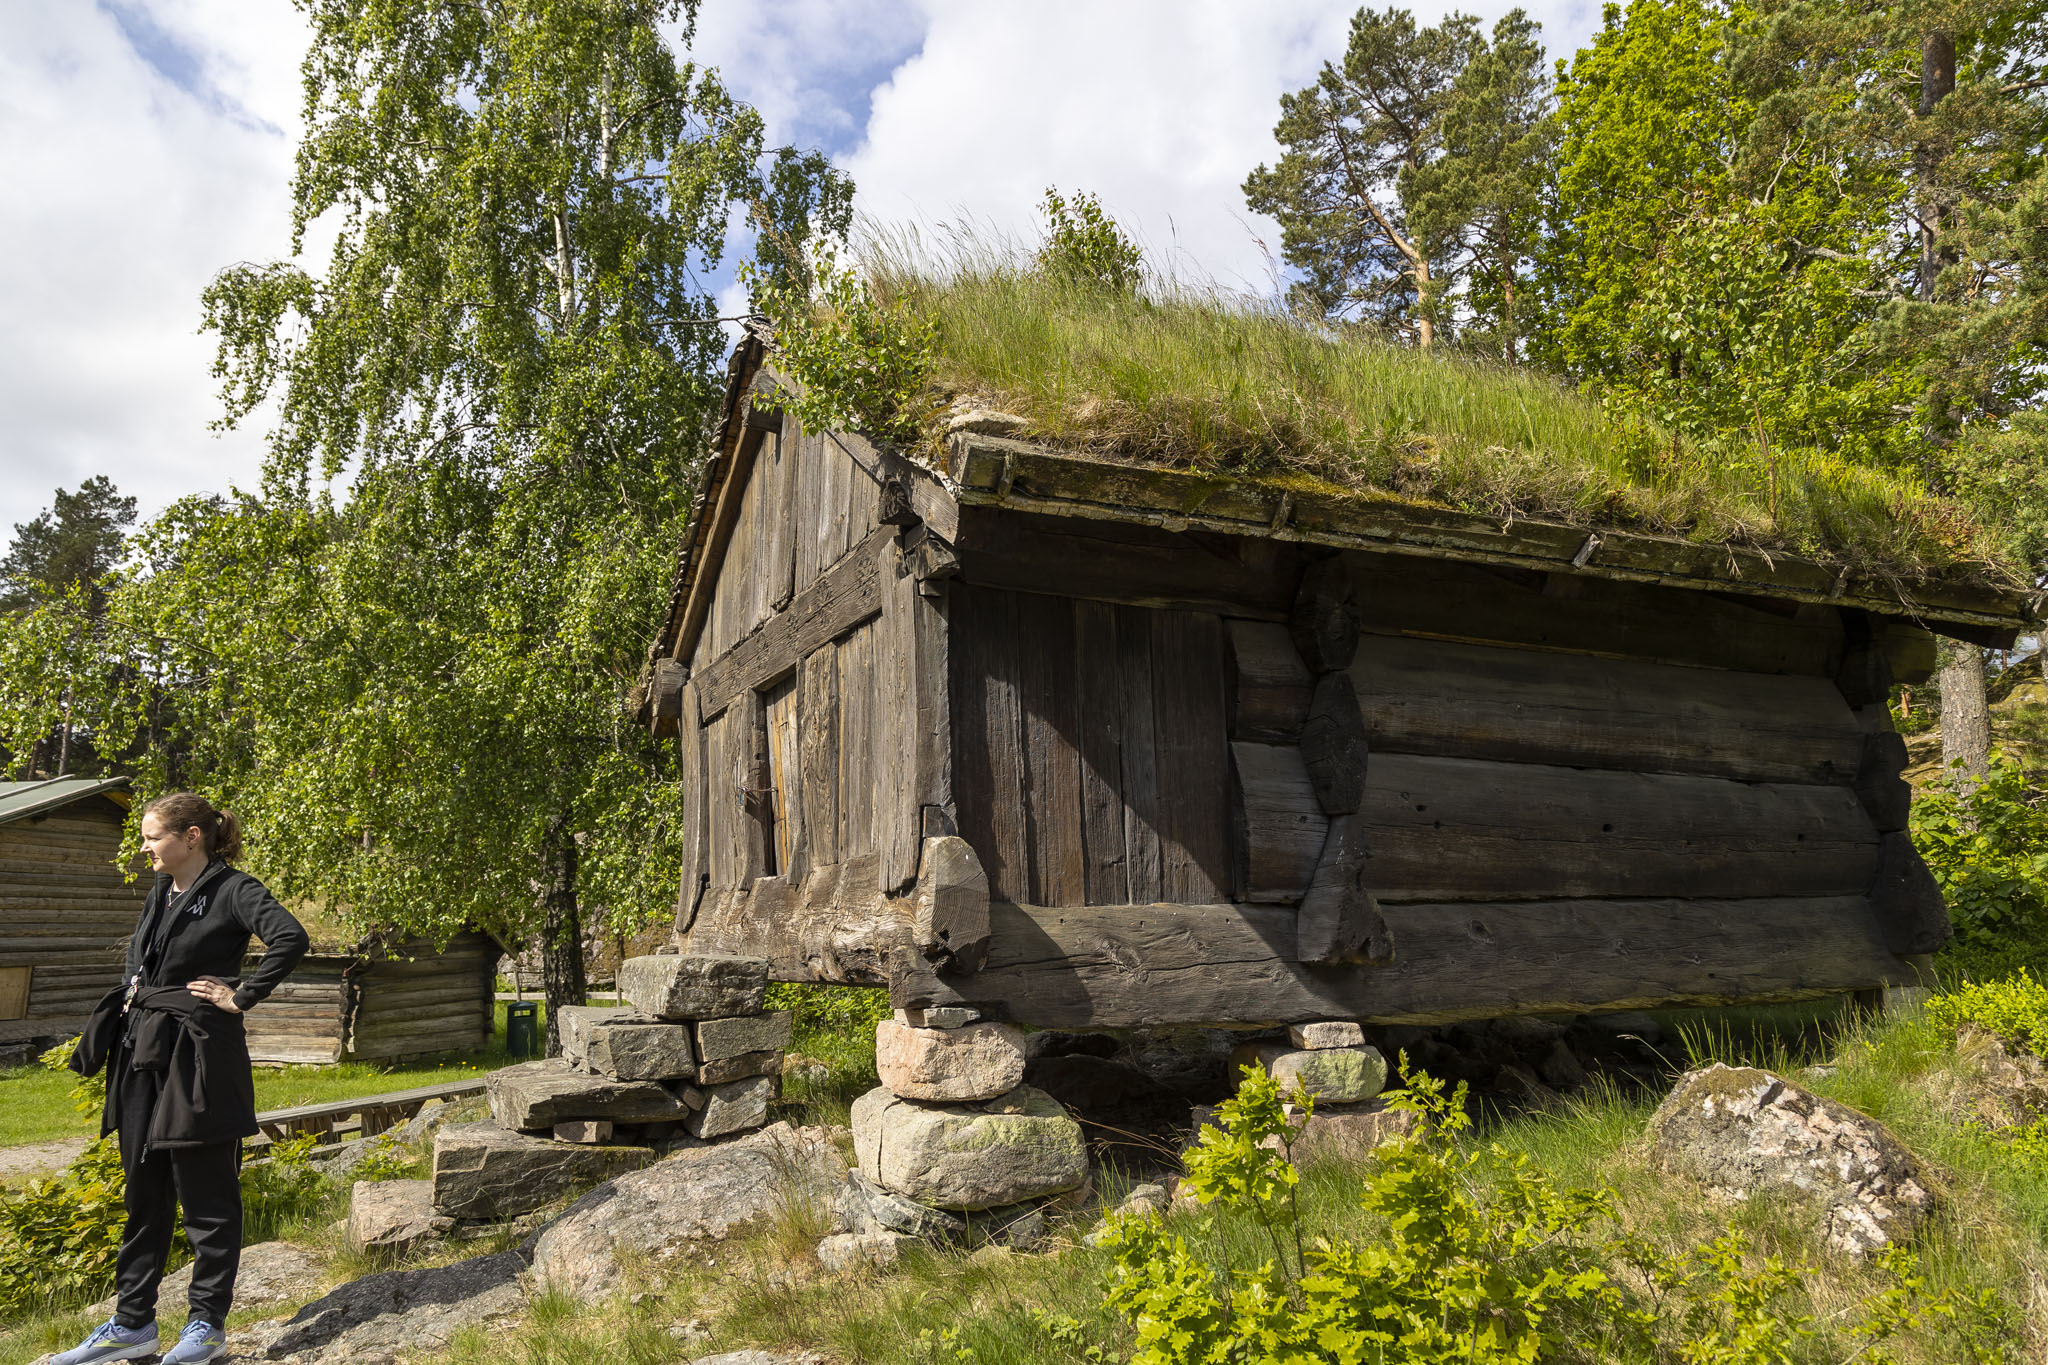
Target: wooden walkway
[{"x": 375, "y": 1112}]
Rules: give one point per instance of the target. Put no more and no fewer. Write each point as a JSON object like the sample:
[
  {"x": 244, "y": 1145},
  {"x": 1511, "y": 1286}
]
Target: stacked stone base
[
  {"x": 691, "y": 1058},
  {"x": 953, "y": 1145}
]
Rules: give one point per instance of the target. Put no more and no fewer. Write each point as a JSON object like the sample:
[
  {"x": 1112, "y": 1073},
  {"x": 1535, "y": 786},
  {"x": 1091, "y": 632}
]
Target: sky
[{"x": 147, "y": 144}]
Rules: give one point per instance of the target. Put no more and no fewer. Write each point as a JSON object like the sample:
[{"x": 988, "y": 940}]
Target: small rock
[
  {"x": 400, "y": 1310},
  {"x": 721, "y": 1038},
  {"x": 846, "y": 1251},
  {"x": 701, "y": 986},
  {"x": 864, "y": 1206},
  {"x": 938, "y": 1016},
  {"x": 588, "y": 1131},
  {"x": 1341, "y": 1075},
  {"x": 1560, "y": 1067},
  {"x": 949, "y": 1065},
  {"x": 393, "y": 1216},
  {"x": 1347, "y": 1132},
  {"x": 481, "y": 1171},
  {"x": 1020, "y": 1146},
  {"x": 805, "y": 1070},
  {"x": 1145, "y": 1199},
  {"x": 425, "y": 1123},
  {"x": 1742, "y": 1130},
  {"x": 732, "y": 1108},
  {"x": 1330, "y": 1033},
  {"x": 535, "y": 1096},
  {"x": 986, "y": 422},
  {"x": 629, "y": 1048},
  {"x": 1020, "y": 1232},
  {"x": 728, "y": 1069},
  {"x": 687, "y": 1204}
]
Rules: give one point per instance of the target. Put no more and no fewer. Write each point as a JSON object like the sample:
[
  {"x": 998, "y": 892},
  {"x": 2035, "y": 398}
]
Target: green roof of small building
[{"x": 20, "y": 800}]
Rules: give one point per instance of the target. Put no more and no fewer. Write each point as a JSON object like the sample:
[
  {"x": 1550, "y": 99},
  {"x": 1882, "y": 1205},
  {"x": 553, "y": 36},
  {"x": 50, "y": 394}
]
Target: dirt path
[{"x": 39, "y": 1158}]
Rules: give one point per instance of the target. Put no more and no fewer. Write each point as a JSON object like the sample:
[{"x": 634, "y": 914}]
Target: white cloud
[
  {"x": 127, "y": 191},
  {"x": 1159, "y": 106},
  {"x": 147, "y": 143}
]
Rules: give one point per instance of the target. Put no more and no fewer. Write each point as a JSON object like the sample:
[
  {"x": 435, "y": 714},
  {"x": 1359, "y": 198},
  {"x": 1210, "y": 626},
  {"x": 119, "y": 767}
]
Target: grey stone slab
[
  {"x": 721, "y": 1038},
  {"x": 637, "y": 1049},
  {"x": 702, "y": 986},
  {"x": 739, "y": 1068},
  {"x": 400, "y": 1310},
  {"x": 575, "y": 1022},
  {"x": 482, "y": 1171},
  {"x": 732, "y": 1108},
  {"x": 535, "y": 1096},
  {"x": 394, "y": 1216}
]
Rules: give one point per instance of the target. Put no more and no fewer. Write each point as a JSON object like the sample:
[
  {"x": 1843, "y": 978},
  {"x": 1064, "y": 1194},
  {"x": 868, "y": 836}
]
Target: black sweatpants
[{"x": 207, "y": 1181}]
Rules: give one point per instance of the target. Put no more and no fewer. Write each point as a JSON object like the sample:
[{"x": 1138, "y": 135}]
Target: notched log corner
[
  {"x": 1340, "y": 919},
  {"x": 665, "y": 697},
  {"x": 1323, "y": 620}
]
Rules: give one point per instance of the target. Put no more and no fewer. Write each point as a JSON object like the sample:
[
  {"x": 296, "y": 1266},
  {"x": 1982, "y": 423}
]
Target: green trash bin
[{"x": 522, "y": 1028}]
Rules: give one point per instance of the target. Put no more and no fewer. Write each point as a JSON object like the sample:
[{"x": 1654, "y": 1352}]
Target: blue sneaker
[
  {"x": 111, "y": 1341},
  {"x": 197, "y": 1344}
]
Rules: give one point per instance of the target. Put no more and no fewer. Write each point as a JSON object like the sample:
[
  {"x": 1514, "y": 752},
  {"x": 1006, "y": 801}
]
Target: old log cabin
[
  {"x": 66, "y": 907},
  {"x": 375, "y": 1000},
  {"x": 1095, "y": 744}
]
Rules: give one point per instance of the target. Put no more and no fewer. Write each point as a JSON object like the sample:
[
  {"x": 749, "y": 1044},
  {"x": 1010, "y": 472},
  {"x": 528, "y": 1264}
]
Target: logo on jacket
[{"x": 197, "y": 907}]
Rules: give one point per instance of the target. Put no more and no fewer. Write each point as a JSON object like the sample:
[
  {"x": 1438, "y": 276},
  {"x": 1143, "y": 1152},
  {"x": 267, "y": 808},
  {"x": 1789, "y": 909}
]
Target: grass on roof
[{"x": 1194, "y": 377}]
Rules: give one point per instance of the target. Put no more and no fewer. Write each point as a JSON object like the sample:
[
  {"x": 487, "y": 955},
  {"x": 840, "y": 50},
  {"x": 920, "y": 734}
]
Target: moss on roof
[{"x": 1195, "y": 379}]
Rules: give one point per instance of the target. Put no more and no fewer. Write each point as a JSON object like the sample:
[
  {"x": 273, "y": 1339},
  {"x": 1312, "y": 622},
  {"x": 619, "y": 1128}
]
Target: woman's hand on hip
[{"x": 215, "y": 992}]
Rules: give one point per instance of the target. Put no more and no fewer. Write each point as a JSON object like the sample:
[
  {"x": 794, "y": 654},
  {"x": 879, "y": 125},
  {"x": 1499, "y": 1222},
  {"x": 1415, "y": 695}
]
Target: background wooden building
[
  {"x": 373, "y": 1002},
  {"x": 66, "y": 910},
  {"x": 1096, "y": 744}
]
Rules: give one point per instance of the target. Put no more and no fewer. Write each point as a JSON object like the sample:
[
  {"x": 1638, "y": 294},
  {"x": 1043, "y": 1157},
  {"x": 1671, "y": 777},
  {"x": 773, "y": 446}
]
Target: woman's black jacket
[{"x": 205, "y": 1093}]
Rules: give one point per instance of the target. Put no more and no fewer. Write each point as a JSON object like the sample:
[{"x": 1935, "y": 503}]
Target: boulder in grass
[
  {"x": 400, "y": 1310},
  {"x": 969, "y": 1157},
  {"x": 1741, "y": 1131},
  {"x": 483, "y": 1172},
  {"x": 634, "y": 1049},
  {"x": 864, "y": 1206},
  {"x": 732, "y": 1108},
  {"x": 683, "y": 1206},
  {"x": 1339, "y": 1075},
  {"x": 949, "y": 1065},
  {"x": 1348, "y": 1132},
  {"x": 721, "y": 1038},
  {"x": 695, "y": 986},
  {"x": 394, "y": 1216},
  {"x": 535, "y": 1096},
  {"x": 846, "y": 1251}
]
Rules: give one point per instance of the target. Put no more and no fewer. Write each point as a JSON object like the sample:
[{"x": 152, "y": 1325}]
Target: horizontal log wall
[
  {"x": 306, "y": 1017},
  {"x": 1088, "y": 748},
  {"x": 66, "y": 911}
]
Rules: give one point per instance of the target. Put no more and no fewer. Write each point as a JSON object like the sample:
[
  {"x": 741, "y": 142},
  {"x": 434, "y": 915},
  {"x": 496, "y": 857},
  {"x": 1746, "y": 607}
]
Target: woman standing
[{"x": 179, "y": 1088}]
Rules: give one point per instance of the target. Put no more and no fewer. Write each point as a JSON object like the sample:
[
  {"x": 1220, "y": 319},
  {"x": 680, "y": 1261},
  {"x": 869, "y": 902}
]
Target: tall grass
[{"x": 1188, "y": 374}]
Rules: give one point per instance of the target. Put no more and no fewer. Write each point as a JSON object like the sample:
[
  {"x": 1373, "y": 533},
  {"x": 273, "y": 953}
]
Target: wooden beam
[
  {"x": 1333, "y": 746},
  {"x": 837, "y": 926},
  {"x": 1909, "y": 904},
  {"x": 989, "y": 470},
  {"x": 1132, "y": 966},
  {"x": 1322, "y": 621},
  {"x": 847, "y": 594}
]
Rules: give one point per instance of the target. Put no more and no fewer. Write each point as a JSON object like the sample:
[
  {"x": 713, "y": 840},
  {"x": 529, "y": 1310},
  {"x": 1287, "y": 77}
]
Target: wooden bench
[{"x": 375, "y": 1113}]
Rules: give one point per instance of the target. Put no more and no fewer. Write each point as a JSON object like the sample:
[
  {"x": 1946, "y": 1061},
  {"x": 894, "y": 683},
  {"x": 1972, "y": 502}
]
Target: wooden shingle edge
[{"x": 997, "y": 471}]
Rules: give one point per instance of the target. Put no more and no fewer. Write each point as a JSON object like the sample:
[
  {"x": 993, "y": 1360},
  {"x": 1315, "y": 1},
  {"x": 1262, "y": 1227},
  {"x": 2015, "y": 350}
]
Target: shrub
[
  {"x": 1987, "y": 846},
  {"x": 1481, "y": 1260},
  {"x": 89, "y": 1095},
  {"x": 1085, "y": 246},
  {"x": 2015, "y": 1009},
  {"x": 59, "y": 1235},
  {"x": 860, "y": 364},
  {"x": 831, "y": 1009}
]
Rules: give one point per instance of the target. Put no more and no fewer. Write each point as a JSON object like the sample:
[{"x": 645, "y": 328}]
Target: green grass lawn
[{"x": 35, "y": 1103}]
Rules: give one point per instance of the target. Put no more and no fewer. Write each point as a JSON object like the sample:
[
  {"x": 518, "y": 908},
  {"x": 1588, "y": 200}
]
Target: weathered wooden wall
[
  {"x": 337, "y": 1006},
  {"x": 66, "y": 912},
  {"x": 818, "y": 733},
  {"x": 305, "y": 1020}
]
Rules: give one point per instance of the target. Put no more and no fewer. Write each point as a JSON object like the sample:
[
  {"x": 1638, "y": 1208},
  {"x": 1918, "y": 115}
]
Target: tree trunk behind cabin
[
  {"x": 1965, "y": 715},
  {"x": 561, "y": 943}
]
